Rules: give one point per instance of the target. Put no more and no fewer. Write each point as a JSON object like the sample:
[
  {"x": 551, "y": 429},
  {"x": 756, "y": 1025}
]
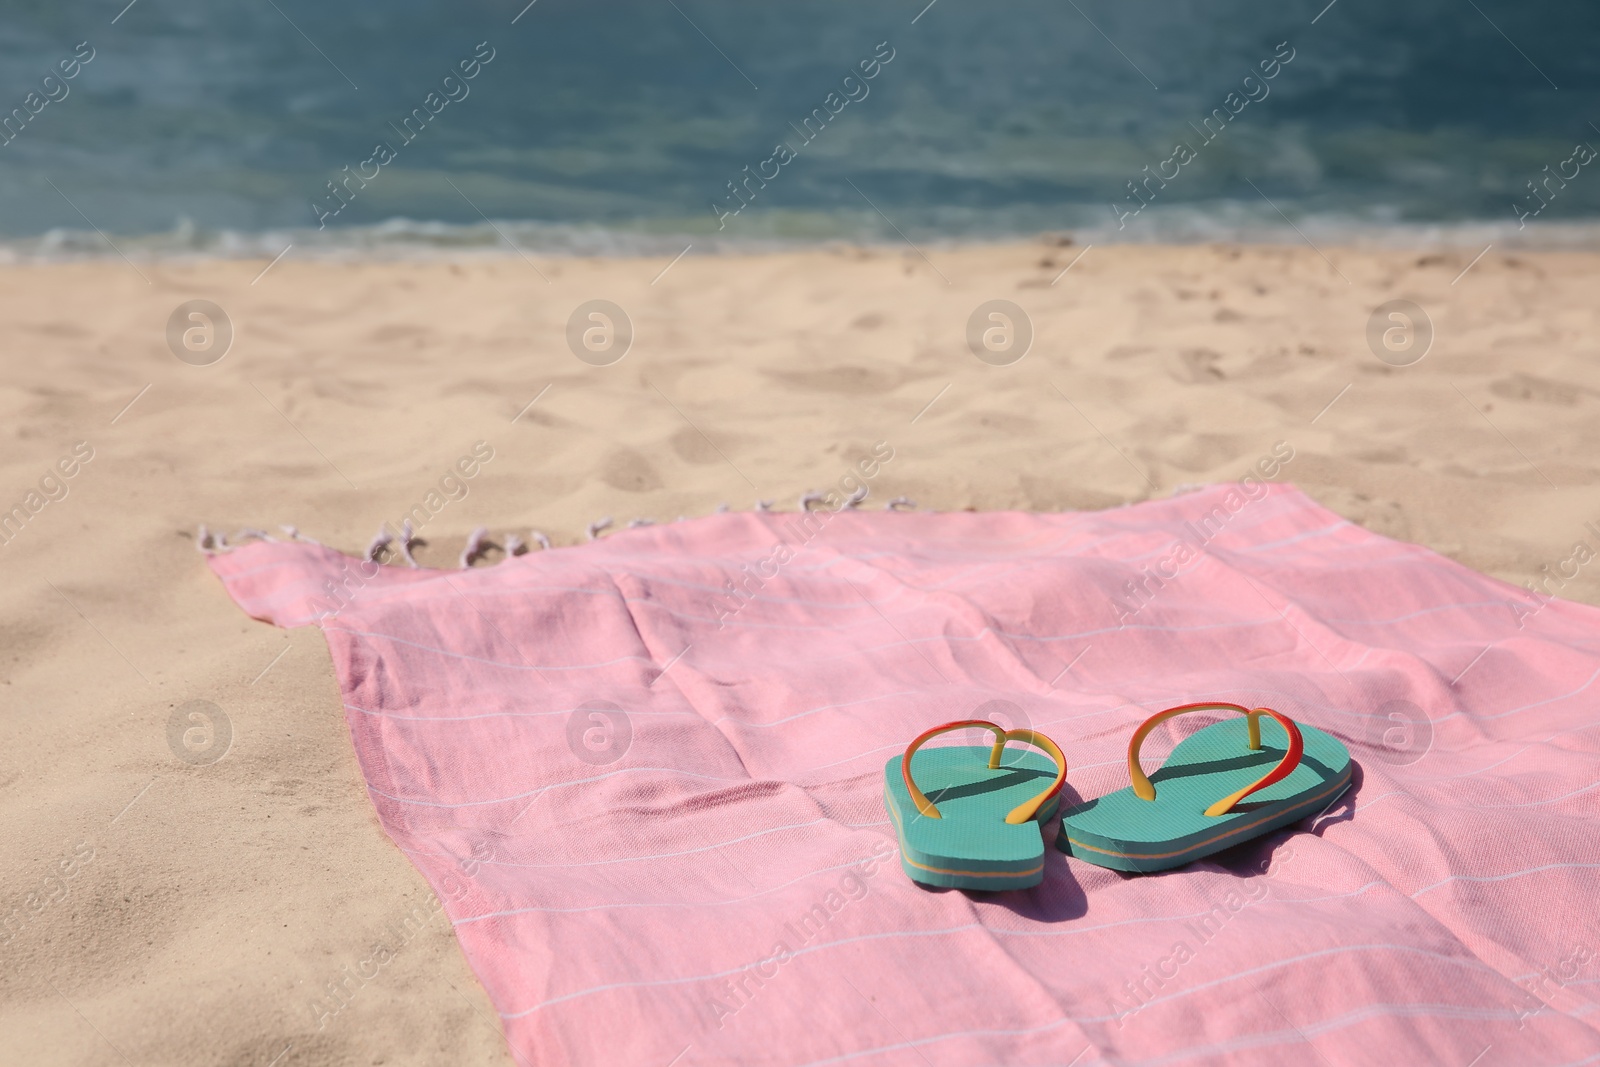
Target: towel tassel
[{"x": 476, "y": 544}]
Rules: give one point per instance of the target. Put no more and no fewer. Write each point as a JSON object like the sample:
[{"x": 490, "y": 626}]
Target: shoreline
[{"x": 407, "y": 240}]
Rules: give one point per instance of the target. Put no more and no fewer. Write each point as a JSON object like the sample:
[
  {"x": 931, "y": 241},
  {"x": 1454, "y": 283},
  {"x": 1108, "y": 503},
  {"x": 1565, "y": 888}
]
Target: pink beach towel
[{"x": 644, "y": 776}]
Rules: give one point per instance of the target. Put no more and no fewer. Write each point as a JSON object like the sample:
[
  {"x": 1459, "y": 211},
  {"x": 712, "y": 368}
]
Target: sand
[{"x": 158, "y": 911}]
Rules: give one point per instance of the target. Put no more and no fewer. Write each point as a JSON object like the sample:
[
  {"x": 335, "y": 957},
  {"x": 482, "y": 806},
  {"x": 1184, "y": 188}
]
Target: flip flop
[
  {"x": 1201, "y": 805},
  {"x": 983, "y": 832}
]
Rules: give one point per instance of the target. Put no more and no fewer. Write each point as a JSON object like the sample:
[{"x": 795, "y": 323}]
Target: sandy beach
[{"x": 162, "y": 911}]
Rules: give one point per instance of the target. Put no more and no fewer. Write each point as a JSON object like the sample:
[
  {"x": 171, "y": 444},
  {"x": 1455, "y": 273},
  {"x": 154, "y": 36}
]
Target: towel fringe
[
  {"x": 210, "y": 542},
  {"x": 406, "y": 539},
  {"x": 476, "y": 543},
  {"x": 380, "y": 541}
]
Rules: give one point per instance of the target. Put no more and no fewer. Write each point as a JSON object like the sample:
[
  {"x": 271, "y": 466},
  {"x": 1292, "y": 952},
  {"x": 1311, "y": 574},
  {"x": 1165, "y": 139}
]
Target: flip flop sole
[
  {"x": 1125, "y": 833},
  {"x": 970, "y": 846},
  {"x": 1019, "y": 876}
]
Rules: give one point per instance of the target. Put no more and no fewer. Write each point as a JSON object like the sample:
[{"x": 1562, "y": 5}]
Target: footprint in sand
[
  {"x": 1198, "y": 366},
  {"x": 629, "y": 471},
  {"x": 689, "y": 446},
  {"x": 1521, "y": 386}
]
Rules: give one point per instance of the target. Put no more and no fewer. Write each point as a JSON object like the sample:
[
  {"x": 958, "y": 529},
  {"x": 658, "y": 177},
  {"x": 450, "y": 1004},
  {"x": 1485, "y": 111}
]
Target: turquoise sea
[{"x": 608, "y": 126}]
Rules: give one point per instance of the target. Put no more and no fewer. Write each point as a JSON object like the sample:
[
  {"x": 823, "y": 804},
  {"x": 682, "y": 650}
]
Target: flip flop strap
[
  {"x": 1143, "y": 788},
  {"x": 1022, "y": 812}
]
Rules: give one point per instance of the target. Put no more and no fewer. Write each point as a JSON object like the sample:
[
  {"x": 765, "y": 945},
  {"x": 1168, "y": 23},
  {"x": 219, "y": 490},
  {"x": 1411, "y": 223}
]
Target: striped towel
[{"x": 644, "y": 777}]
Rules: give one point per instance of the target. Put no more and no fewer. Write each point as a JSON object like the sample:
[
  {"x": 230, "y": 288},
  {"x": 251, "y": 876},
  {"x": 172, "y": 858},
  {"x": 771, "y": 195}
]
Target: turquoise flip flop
[
  {"x": 983, "y": 832},
  {"x": 1200, "y": 806}
]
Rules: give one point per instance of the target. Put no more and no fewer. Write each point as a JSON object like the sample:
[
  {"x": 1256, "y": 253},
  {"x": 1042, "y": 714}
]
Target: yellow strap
[
  {"x": 1145, "y": 790},
  {"x": 1022, "y": 812}
]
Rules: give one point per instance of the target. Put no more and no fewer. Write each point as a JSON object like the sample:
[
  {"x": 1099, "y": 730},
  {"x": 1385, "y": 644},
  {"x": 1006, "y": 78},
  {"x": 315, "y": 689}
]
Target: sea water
[{"x": 637, "y": 125}]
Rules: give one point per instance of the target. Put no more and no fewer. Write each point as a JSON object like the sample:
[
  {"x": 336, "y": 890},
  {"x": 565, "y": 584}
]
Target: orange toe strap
[
  {"x": 1022, "y": 812},
  {"x": 1143, "y": 788}
]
